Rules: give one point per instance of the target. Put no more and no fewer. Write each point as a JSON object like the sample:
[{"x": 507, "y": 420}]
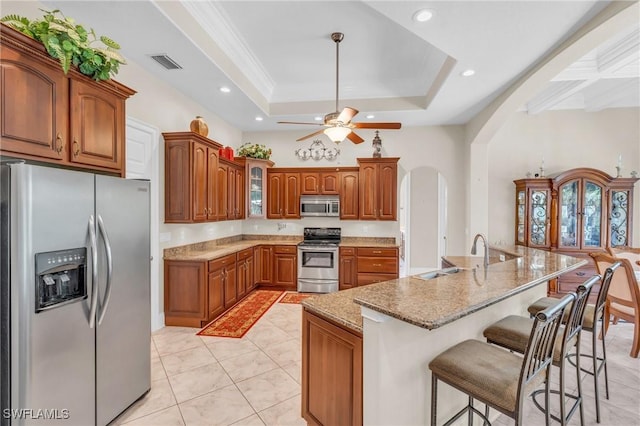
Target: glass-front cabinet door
[
  {"x": 257, "y": 187},
  {"x": 539, "y": 220},
  {"x": 619, "y": 218},
  {"x": 592, "y": 204},
  {"x": 520, "y": 218},
  {"x": 568, "y": 214}
]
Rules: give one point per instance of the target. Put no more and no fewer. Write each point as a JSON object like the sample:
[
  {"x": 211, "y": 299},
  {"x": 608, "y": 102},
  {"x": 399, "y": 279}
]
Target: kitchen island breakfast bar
[{"x": 366, "y": 351}]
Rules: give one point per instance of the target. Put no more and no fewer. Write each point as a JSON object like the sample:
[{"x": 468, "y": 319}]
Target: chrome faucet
[{"x": 486, "y": 248}]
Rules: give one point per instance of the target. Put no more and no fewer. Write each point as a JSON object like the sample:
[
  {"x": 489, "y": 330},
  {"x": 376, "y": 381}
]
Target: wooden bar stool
[
  {"x": 513, "y": 331},
  {"x": 593, "y": 314},
  {"x": 496, "y": 377}
]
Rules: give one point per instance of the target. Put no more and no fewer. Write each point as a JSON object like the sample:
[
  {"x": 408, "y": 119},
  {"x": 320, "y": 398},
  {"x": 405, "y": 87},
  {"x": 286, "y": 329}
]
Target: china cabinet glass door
[
  {"x": 619, "y": 221},
  {"x": 592, "y": 215},
  {"x": 569, "y": 214},
  {"x": 520, "y": 225},
  {"x": 539, "y": 218}
]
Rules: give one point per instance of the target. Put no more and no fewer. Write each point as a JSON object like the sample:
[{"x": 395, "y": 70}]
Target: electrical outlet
[
  {"x": 281, "y": 226},
  {"x": 502, "y": 258}
]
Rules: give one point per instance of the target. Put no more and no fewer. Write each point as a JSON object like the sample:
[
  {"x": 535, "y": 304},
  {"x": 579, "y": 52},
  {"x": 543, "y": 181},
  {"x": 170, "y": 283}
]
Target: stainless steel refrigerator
[{"x": 74, "y": 298}]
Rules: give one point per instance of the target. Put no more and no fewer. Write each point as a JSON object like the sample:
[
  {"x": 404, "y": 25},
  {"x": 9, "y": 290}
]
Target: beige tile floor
[{"x": 255, "y": 380}]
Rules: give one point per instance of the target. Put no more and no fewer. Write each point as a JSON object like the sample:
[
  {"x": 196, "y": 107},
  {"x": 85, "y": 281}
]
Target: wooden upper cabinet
[
  {"x": 378, "y": 181},
  {"x": 349, "y": 195},
  {"x": 34, "y": 128},
  {"x": 212, "y": 189},
  {"x": 70, "y": 120},
  {"x": 283, "y": 199},
  {"x": 256, "y": 188},
  {"x": 191, "y": 178},
  {"x": 200, "y": 174},
  {"x": 275, "y": 189},
  {"x": 222, "y": 197},
  {"x": 291, "y": 196},
  {"x": 97, "y": 126},
  {"x": 319, "y": 182},
  {"x": 236, "y": 192}
]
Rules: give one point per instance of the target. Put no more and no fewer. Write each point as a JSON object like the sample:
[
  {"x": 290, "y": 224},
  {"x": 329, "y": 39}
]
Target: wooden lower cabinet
[
  {"x": 331, "y": 373},
  {"x": 285, "y": 267},
  {"x": 348, "y": 268},
  {"x": 185, "y": 293},
  {"x": 277, "y": 266},
  {"x": 367, "y": 265},
  {"x": 245, "y": 281},
  {"x": 216, "y": 294},
  {"x": 195, "y": 293}
]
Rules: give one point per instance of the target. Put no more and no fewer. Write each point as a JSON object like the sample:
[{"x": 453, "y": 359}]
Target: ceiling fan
[{"x": 338, "y": 124}]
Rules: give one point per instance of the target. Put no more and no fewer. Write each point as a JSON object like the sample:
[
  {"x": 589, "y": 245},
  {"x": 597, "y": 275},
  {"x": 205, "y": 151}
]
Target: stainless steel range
[{"x": 318, "y": 260}]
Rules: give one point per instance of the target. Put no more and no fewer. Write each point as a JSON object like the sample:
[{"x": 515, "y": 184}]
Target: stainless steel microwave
[{"x": 319, "y": 205}]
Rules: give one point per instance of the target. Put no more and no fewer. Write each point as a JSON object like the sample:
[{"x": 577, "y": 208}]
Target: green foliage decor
[
  {"x": 254, "y": 151},
  {"x": 71, "y": 43}
]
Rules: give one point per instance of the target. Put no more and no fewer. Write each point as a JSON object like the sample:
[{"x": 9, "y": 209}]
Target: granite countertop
[
  {"x": 213, "y": 252},
  {"x": 439, "y": 301},
  {"x": 209, "y": 250}
]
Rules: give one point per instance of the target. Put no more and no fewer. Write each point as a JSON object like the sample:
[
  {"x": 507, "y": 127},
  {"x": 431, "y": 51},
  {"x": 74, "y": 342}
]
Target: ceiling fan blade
[
  {"x": 310, "y": 135},
  {"x": 377, "y": 125},
  {"x": 354, "y": 138},
  {"x": 346, "y": 115},
  {"x": 297, "y": 122}
]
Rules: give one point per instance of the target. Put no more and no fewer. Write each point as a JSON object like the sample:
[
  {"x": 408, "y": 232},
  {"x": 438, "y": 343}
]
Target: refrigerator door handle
[
  {"x": 94, "y": 272},
  {"x": 107, "y": 247}
]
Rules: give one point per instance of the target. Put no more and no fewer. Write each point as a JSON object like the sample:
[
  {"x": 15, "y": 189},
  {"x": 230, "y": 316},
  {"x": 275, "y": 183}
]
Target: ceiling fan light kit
[
  {"x": 338, "y": 124},
  {"x": 337, "y": 134}
]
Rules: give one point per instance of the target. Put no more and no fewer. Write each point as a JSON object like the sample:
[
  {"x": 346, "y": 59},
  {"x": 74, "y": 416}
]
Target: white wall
[{"x": 566, "y": 140}]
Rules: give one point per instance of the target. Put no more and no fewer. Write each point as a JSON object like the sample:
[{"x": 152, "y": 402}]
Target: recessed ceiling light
[
  {"x": 370, "y": 116},
  {"x": 258, "y": 118},
  {"x": 225, "y": 89},
  {"x": 317, "y": 118},
  {"x": 423, "y": 15},
  {"x": 467, "y": 73}
]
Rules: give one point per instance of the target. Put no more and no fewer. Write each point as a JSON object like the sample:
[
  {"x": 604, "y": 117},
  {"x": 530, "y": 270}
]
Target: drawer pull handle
[
  {"x": 377, "y": 252},
  {"x": 76, "y": 148},
  {"x": 377, "y": 264},
  {"x": 581, "y": 274}
]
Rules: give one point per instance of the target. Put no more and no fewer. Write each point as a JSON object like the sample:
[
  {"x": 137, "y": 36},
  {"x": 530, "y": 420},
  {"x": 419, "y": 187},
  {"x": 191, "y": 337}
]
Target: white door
[{"x": 143, "y": 141}]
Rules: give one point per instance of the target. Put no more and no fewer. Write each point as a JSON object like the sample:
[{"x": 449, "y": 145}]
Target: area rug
[
  {"x": 243, "y": 316},
  {"x": 294, "y": 297}
]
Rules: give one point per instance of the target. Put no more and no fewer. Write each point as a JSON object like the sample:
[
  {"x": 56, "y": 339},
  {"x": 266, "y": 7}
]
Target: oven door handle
[{"x": 317, "y": 248}]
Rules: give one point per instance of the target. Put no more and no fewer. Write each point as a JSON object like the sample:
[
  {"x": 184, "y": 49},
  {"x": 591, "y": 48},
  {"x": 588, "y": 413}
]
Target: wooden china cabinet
[{"x": 576, "y": 212}]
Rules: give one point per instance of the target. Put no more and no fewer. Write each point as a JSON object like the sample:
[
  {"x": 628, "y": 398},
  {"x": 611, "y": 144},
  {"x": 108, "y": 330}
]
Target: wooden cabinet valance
[{"x": 68, "y": 120}]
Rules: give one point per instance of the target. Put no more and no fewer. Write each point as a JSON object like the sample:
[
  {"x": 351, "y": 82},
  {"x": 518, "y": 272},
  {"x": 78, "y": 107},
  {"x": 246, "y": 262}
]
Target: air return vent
[{"x": 166, "y": 61}]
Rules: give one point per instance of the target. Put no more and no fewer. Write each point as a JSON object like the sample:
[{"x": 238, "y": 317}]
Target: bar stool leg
[
  {"x": 579, "y": 382},
  {"x": 434, "y": 399}
]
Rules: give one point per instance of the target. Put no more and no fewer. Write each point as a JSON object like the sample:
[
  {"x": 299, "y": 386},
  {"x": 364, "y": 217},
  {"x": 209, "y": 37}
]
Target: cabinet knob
[
  {"x": 59, "y": 143},
  {"x": 76, "y": 148}
]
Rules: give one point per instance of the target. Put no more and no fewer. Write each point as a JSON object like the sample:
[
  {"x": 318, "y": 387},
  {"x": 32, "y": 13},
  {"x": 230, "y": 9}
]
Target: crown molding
[{"x": 216, "y": 23}]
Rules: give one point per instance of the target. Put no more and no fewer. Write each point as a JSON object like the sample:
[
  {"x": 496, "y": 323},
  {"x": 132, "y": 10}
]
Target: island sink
[{"x": 441, "y": 273}]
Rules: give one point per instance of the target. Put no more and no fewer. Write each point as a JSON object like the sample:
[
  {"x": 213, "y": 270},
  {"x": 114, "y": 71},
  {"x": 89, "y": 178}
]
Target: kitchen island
[{"x": 398, "y": 326}]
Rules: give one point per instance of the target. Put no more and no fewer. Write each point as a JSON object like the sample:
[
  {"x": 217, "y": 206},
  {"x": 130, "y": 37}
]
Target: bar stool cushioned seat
[
  {"x": 489, "y": 377},
  {"x": 496, "y": 377}
]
